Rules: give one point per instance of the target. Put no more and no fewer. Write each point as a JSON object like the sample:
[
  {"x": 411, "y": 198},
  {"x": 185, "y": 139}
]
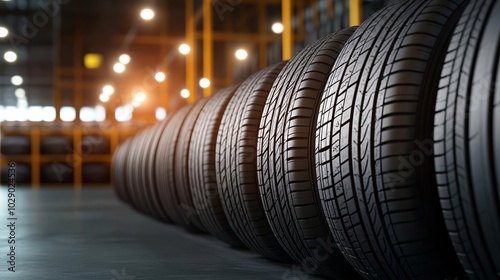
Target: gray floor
[{"x": 63, "y": 234}]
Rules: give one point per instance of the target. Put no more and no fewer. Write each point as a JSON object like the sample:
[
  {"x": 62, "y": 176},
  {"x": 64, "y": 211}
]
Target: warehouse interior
[
  {"x": 63, "y": 97},
  {"x": 116, "y": 129}
]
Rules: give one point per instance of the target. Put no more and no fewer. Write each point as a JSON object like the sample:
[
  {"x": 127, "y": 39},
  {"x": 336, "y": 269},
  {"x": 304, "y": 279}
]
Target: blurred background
[{"x": 78, "y": 77}]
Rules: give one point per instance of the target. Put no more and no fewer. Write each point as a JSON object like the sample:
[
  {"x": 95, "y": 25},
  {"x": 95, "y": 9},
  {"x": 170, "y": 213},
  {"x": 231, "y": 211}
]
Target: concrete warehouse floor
[{"x": 90, "y": 234}]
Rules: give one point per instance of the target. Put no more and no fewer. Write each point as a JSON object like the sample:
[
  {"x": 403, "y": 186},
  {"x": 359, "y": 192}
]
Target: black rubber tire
[
  {"x": 165, "y": 167},
  {"x": 202, "y": 168},
  {"x": 56, "y": 145},
  {"x": 285, "y": 158},
  {"x": 15, "y": 145},
  {"x": 56, "y": 173},
  {"x": 467, "y": 138},
  {"x": 95, "y": 145},
  {"x": 139, "y": 161},
  {"x": 375, "y": 115},
  {"x": 146, "y": 173},
  {"x": 151, "y": 170},
  {"x": 118, "y": 168},
  {"x": 128, "y": 194},
  {"x": 136, "y": 195},
  {"x": 22, "y": 174},
  {"x": 236, "y": 165},
  {"x": 95, "y": 173},
  {"x": 182, "y": 185}
]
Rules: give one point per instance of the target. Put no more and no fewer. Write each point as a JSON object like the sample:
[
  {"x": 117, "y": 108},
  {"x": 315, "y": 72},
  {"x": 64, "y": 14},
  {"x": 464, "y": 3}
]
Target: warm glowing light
[
  {"x": 67, "y": 114},
  {"x": 108, "y": 90},
  {"x": 147, "y": 14},
  {"x": 20, "y": 93},
  {"x": 17, "y": 80},
  {"x": 185, "y": 93},
  {"x": 49, "y": 114},
  {"x": 10, "y": 56},
  {"x": 92, "y": 60},
  {"x": 129, "y": 108},
  {"x": 22, "y": 114},
  {"x": 11, "y": 113},
  {"x": 22, "y": 103},
  {"x": 4, "y": 32},
  {"x": 104, "y": 97},
  {"x": 160, "y": 77},
  {"x": 124, "y": 59},
  {"x": 184, "y": 49},
  {"x": 36, "y": 113},
  {"x": 87, "y": 114},
  {"x": 119, "y": 67},
  {"x": 278, "y": 27},
  {"x": 204, "y": 83},
  {"x": 241, "y": 54},
  {"x": 100, "y": 113},
  {"x": 160, "y": 113},
  {"x": 124, "y": 113},
  {"x": 136, "y": 103},
  {"x": 140, "y": 96}
]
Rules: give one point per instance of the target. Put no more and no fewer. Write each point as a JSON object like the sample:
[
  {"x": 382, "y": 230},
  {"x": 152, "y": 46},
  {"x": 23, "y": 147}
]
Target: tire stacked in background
[
  {"x": 16, "y": 145},
  {"x": 373, "y": 153}
]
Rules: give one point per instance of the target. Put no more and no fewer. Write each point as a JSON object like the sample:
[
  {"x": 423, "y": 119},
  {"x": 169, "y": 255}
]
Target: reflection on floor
[{"x": 65, "y": 234}]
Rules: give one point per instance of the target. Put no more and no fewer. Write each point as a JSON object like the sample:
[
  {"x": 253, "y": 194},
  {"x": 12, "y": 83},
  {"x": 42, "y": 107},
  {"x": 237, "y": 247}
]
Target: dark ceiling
[
  {"x": 51, "y": 38},
  {"x": 45, "y": 33}
]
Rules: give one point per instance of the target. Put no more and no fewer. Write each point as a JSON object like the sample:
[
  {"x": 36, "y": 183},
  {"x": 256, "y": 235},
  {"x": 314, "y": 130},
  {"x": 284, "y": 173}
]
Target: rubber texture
[
  {"x": 182, "y": 184},
  {"x": 236, "y": 169},
  {"x": 117, "y": 171},
  {"x": 148, "y": 170},
  {"x": 129, "y": 173},
  {"x": 374, "y": 144},
  {"x": 136, "y": 164},
  {"x": 467, "y": 138},
  {"x": 203, "y": 181},
  {"x": 165, "y": 168},
  {"x": 285, "y": 159}
]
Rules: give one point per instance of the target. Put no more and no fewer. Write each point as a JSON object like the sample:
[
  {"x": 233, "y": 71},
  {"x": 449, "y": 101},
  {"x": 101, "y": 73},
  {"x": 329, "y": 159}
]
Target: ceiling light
[
  {"x": 10, "y": 56},
  {"x": 92, "y": 60},
  {"x": 160, "y": 77},
  {"x": 278, "y": 27},
  {"x": 241, "y": 54},
  {"x": 160, "y": 113},
  {"x": 136, "y": 103},
  {"x": 17, "y": 80},
  {"x": 49, "y": 114},
  {"x": 100, "y": 113},
  {"x": 3, "y": 32},
  {"x": 124, "y": 113},
  {"x": 20, "y": 93},
  {"x": 36, "y": 113},
  {"x": 147, "y": 14},
  {"x": 108, "y": 90},
  {"x": 184, "y": 49},
  {"x": 104, "y": 97},
  {"x": 140, "y": 96},
  {"x": 129, "y": 108},
  {"x": 22, "y": 103},
  {"x": 67, "y": 114},
  {"x": 87, "y": 114},
  {"x": 185, "y": 93},
  {"x": 124, "y": 59},
  {"x": 119, "y": 67},
  {"x": 204, "y": 83}
]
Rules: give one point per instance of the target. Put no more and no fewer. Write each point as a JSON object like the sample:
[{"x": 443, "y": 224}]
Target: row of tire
[{"x": 373, "y": 153}]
